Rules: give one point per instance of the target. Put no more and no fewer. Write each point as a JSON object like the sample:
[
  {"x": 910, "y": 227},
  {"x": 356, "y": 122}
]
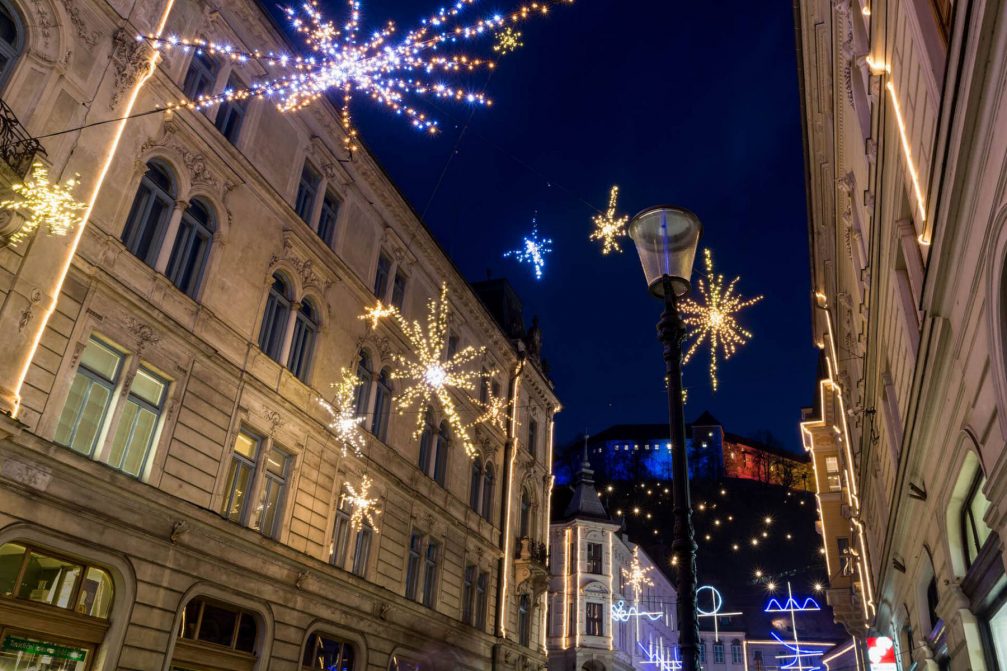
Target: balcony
[
  {"x": 17, "y": 148},
  {"x": 531, "y": 562}
]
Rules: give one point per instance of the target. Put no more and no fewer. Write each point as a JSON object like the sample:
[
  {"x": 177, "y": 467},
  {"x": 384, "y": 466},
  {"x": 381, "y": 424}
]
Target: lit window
[
  {"x": 274, "y": 489},
  {"x": 240, "y": 475},
  {"x": 327, "y": 653},
  {"x": 32, "y": 574},
  {"x": 595, "y": 624},
  {"x": 832, "y": 474},
  {"x": 134, "y": 436},
  {"x": 975, "y": 532},
  {"x": 90, "y": 396}
]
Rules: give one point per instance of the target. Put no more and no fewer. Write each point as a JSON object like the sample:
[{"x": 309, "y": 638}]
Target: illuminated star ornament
[
  {"x": 533, "y": 251},
  {"x": 345, "y": 423},
  {"x": 393, "y": 69},
  {"x": 365, "y": 508},
  {"x": 608, "y": 227},
  {"x": 495, "y": 411},
  {"x": 637, "y": 576},
  {"x": 713, "y": 318},
  {"x": 376, "y": 313},
  {"x": 44, "y": 203},
  {"x": 429, "y": 375}
]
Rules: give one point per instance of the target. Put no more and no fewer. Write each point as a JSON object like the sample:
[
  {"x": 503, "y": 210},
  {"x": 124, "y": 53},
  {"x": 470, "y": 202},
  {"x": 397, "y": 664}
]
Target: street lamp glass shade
[{"x": 666, "y": 238}]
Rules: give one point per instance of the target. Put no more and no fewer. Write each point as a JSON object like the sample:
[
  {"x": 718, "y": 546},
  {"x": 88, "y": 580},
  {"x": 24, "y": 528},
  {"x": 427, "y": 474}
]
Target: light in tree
[
  {"x": 608, "y": 227},
  {"x": 507, "y": 41},
  {"x": 344, "y": 422},
  {"x": 364, "y": 508},
  {"x": 44, "y": 203},
  {"x": 533, "y": 251},
  {"x": 712, "y": 318},
  {"x": 377, "y": 312}
]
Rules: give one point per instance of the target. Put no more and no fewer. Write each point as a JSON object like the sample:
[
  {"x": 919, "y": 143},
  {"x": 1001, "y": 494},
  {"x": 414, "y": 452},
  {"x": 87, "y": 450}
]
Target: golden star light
[
  {"x": 376, "y": 313},
  {"x": 365, "y": 508},
  {"x": 507, "y": 41},
  {"x": 495, "y": 412},
  {"x": 608, "y": 228},
  {"x": 712, "y": 319},
  {"x": 345, "y": 423},
  {"x": 637, "y": 576},
  {"x": 44, "y": 203}
]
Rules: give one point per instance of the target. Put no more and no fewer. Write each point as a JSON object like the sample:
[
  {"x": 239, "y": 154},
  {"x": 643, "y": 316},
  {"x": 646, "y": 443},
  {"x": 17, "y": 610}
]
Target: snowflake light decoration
[
  {"x": 377, "y": 312},
  {"x": 44, "y": 203},
  {"x": 365, "y": 508},
  {"x": 507, "y": 41},
  {"x": 392, "y": 71},
  {"x": 429, "y": 375},
  {"x": 608, "y": 228},
  {"x": 345, "y": 423},
  {"x": 637, "y": 576},
  {"x": 712, "y": 319},
  {"x": 533, "y": 251},
  {"x": 495, "y": 411}
]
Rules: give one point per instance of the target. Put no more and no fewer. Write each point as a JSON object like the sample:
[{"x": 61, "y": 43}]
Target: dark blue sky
[{"x": 692, "y": 103}]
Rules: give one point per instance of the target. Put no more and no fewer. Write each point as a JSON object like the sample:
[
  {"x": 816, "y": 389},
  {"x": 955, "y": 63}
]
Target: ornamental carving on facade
[
  {"x": 143, "y": 334},
  {"x": 305, "y": 268},
  {"x": 87, "y": 36},
  {"x": 129, "y": 60}
]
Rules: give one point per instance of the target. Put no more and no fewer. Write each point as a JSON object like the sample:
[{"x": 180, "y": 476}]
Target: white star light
[{"x": 533, "y": 250}]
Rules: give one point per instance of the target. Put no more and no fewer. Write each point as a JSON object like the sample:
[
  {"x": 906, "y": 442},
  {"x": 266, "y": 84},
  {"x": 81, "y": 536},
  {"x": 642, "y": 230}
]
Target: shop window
[
  {"x": 328, "y": 653},
  {"x": 87, "y": 405},
  {"x": 216, "y": 634},
  {"x": 400, "y": 662},
  {"x": 32, "y": 574}
]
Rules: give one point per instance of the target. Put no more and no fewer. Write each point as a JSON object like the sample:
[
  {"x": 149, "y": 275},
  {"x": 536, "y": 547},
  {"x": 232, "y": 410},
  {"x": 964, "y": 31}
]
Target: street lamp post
[{"x": 666, "y": 238}]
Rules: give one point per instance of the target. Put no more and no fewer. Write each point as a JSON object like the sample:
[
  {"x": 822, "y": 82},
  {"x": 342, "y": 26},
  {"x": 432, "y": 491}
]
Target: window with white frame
[
  {"x": 718, "y": 652},
  {"x": 240, "y": 476},
  {"x": 975, "y": 531},
  {"x": 138, "y": 424},
  {"x": 736, "y": 651},
  {"x": 832, "y": 474},
  {"x": 89, "y": 401},
  {"x": 261, "y": 469}
]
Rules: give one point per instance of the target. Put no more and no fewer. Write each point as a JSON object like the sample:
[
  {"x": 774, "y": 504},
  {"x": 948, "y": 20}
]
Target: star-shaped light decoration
[
  {"x": 533, "y": 251},
  {"x": 44, "y": 203},
  {"x": 637, "y": 576},
  {"x": 430, "y": 376},
  {"x": 345, "y": 423},
  {"x": 365, "y": 509},
  {"x": 507, "y": 41},
  {"x": 608, "y": 227},
  {"x": 495, "y": 411},
  {"x": 713, "y": 317},
  {"x": 377, "y": 312}
]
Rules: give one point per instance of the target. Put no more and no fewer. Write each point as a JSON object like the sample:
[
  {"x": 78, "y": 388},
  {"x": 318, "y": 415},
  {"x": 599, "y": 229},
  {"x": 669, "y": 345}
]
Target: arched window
[
  {"x": 324, "y": 651},
  {"x": 525, "y": 530},
  {"x": 11, "y": 40},
  {"x": 488, "y": 492},
  {"x": 302, "y": 345},
  {"x": 207, "y": 626},
  {"x": 382, "y": 404},
  {"x": 148, "y": 217},
  {"x": 191, "y": 248},
  {"x": 975, "y": 532},
  {"x": 427, "y": 441},
  {"x": 441, "y": 456},
  {"x": 200, "y": 77},
  {"x": 274, "y": 318},
  {"x": 475, "y": 482},
  {"x": 365, "y": 373}
]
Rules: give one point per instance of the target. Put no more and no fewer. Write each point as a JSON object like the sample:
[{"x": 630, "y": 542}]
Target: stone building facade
[
  {"x": 905, "y": 121},
  {"x": 170, "y": 494}
]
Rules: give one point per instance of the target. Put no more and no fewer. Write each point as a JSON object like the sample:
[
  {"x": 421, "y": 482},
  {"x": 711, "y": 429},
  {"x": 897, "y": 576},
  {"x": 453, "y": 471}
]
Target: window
[
  {"x": 524, "y": 620},
  {"x": 430, "y": 574},
  {"x": 148, "y": 217},
  {"x": 525, "y": 527},
  {"x": 274, "y": 489},
  {"x": 997, "y": 624},
  {"x": 302, "y": 345},
  {"x": 340, "y": 533},
  {"x": 475, "y": 481},
  {"x": 362, "y": 549},
  {"x": 191, "y": 249},
  {"x": 90, "y": 396},
  {"x": 327, "y": 218},
  {"x": 134, "y": 436},
  {"x": 218, "y": 623},
  {"x": 274, "y": 319},
  {"x": 488, "y": 492},
  {"x": 594, "y": 558},
  {"x": 399, "y": 290},
  {"x": 381, "y": 276},
  {"x": 11, "y": 40},
  {"x": 846, "y": 566},
  {"x": 443, "y": 444},
  {"x": 427, "y": 441},
  {"x": 532, "y": 437},
  {"x": 757, "y": 658},
  {"x": 453, "y": 342},
  {"x": 382, "y": 405},
  {"x": 327, "y": 653},
  {"x": 718, "y": 652},
  {"x": 932, "y": 599},
  {"x": 702, "y": 651},
  {"x": 594, "y": 622},
  {"x": 469, "y": 592},
  {"x": 832, "y": 474},
  {"x": 482, "y": 591},
  {"x": 484, "y": 386},
  {"x": 413, "y": 564},
  {"x": 32, "y": 574},
  {"x": 307, "y": 189},
  {"x": 736, "y": 652},
  {"x": 365, "y": 373},
  {"x": 200, "y": 77},
  {"x": 231, "y": 114},
  {"x": 240, "y": 475},
  {"x": 975, "y": 532}
]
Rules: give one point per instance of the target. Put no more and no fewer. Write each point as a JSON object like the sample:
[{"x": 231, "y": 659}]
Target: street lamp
[{"x": 666, "y": 238}]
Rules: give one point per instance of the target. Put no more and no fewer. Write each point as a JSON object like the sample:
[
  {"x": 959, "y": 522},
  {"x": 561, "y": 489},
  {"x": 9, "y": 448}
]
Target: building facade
[
  {"x": 904, "y": 105},
  {"x": 171, "y": 495}
]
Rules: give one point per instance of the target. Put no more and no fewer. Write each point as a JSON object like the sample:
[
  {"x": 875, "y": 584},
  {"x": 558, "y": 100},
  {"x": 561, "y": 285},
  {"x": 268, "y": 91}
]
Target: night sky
[{"x": 691, "y": 103}]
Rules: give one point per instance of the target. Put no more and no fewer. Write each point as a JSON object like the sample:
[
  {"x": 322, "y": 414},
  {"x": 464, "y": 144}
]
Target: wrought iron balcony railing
[{"x": 17, "y": 148}]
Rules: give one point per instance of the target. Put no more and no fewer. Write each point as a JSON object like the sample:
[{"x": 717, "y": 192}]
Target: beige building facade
[
  {"x": 905, "y": 121},
  {"x": 171, "y": 496}
]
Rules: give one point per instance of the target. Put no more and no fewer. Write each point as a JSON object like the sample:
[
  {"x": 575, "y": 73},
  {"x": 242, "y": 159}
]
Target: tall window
[
  {"x": 533, "y": 437},
  {"x": 362, "y": 549},
  {"x": 594, "y": 558},
  {"x": 382, "y": 404},
  {"x": 718, "y": 652},
  {"x": 488, "y": 492},
  {"x": 484, "y": 386},
  {"x": 340, "y": 534},
  {"x": 138, "y": 424},
  {"x": 932, "y": 599},
  {"x": 381, "y": 276},
  {"x": 525, "y": 528},
  {"x": 469, "y": 593},
  {"x": 453, "y": 343},
  {"x": 413, "y": 564},
  {"x": 832, "y": 473},
  {"x": 11, "y": 40},
  {"x": 702, "y": 651},
  {"x": 430, "y": 562},
  {"x": 240, "y": 475},
  {"x": 149, "y": 214},
  {"x": 307, "y": 190},
  {"x": 274, "y": 491},
  {"x": 302, "y": 345},
  {"x": 427, "y": 438},
  {"x": 327, "y": 218},
  {"x": 757, "y": 658},
  {"x": 475, "y": 480},
  {"x": 90, "y": 397},
  {"x": 191, "y": 249},
  {"x": 399, "y": 290},
  {"x": 443, "y": 444},
  {"x": 736, "y": 652},
  {"x": 200, "y": 77},
  {"x": 524, "y": 620},
  {"x": 975, "y": 532},
  {"x": 594, "y": 619},
  {"x": 274, "y": 319},
  {"x": 327, "y": 653},
  {"x": 482, "y": 591},
  {"x": 365, "y": 373},
  {"x": 231, "y": 114}
]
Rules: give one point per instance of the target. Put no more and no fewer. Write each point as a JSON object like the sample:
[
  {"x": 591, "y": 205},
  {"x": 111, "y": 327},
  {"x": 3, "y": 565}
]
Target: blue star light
[{"x": 533, "y": 250}]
